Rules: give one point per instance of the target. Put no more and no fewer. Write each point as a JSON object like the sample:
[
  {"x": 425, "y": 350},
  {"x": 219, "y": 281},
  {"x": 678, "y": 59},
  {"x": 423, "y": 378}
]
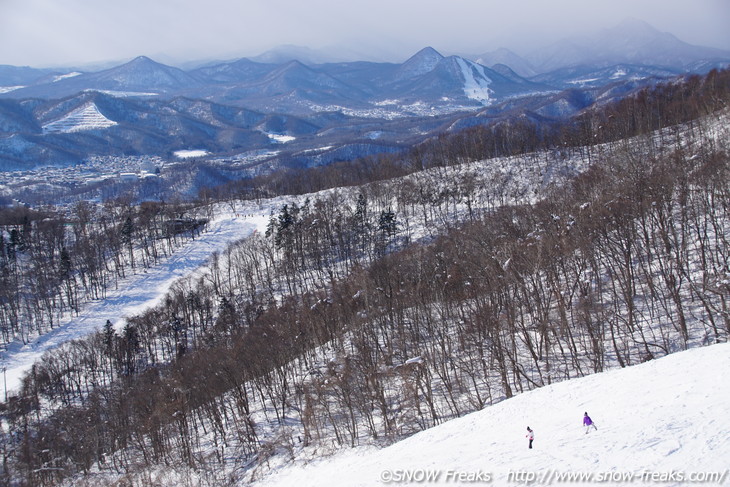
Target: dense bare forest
[{"x": 414, "y": 290}]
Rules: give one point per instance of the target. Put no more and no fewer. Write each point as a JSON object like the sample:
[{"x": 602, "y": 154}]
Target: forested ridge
[{"x": 414, "y": 290}]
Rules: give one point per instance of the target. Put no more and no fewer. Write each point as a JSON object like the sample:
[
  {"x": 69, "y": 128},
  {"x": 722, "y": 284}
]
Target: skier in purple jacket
[{"x": 588, "y": 422}]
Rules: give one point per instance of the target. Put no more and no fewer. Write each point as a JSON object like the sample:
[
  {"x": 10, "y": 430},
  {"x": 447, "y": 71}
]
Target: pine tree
[
  {"x": 127, "y": 233},
  {"x": 66, "y": 266},
  {"x": 130, "y": 343},
  {"x": 387, "y": 223}
]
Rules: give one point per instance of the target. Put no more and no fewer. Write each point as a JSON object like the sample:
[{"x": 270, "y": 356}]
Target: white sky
[{"x": 44, "y": 33}]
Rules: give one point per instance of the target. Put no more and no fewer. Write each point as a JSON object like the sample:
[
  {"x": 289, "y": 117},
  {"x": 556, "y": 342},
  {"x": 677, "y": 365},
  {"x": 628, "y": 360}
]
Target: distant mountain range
[
  {"x": 293, "y": 87},
  {"x": 632, "y": 42},
  {"x": 317, "y": 113}
]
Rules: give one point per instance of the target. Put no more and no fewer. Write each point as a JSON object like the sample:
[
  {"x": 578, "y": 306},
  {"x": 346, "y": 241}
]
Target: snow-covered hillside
[
  {"x": 87, "y": 117},
  {"x": 663, "y": 422}
]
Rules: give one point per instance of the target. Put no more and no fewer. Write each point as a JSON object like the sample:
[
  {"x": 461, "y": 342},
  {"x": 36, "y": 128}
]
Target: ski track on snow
[{"x": 135, "y": 293}]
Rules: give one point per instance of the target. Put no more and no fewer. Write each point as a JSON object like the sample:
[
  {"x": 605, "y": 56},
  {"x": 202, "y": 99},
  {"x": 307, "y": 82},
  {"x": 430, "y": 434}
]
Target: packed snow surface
[
  {"x": 86, "y": 117},
  {"x": 663, "y": 422}
]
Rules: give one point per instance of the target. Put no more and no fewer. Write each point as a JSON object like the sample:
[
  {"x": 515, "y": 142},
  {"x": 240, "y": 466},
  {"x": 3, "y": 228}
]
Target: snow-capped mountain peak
[
  {"x": 637, "y": 28},
  {"x": 461, "y": 79},
  {"x": 424, "y": 61},
  {"x": 144, "y": 72},
  {"x": 632, "y": 41},
  {"x": 503, "y": 56}
]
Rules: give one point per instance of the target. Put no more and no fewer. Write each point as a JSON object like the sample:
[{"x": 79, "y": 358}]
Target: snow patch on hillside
[
  {"x": 581, "y": 82},
  {"x": 65, "y": 76},
  {"x": 8, "y": 89},
  {"x": 663, "y": 421},
  {"x": 121, "y": 94},
  {"x": 86, "y": 117},
  {"x": 189, "y": 154},
  {"x": 618, "y": 73},
  {"x": 318, "y": 149},
  {"x": 280, "y": 138},
  {"x": 476, "y": 82}
]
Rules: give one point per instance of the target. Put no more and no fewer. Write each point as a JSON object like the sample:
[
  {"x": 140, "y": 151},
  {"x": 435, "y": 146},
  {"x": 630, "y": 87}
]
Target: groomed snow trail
[{"x": 136, "y": 292}]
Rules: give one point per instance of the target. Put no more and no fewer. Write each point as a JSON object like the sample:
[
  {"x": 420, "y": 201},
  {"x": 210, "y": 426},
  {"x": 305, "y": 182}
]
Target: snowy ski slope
[
  {"x": 475, "y": 87},
  {"x": 87, "y": 117},
  {"x": 664, "y": 422}
]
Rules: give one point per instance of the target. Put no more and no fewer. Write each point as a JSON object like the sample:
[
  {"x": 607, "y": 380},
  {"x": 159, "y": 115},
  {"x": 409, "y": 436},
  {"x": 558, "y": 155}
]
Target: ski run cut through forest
[
  {"x": 133, "y": 294},
  {"x": 402, "y": 329}
]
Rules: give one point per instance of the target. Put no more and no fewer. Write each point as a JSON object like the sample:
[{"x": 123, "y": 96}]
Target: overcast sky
[{"x": 51, "y": 33}]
